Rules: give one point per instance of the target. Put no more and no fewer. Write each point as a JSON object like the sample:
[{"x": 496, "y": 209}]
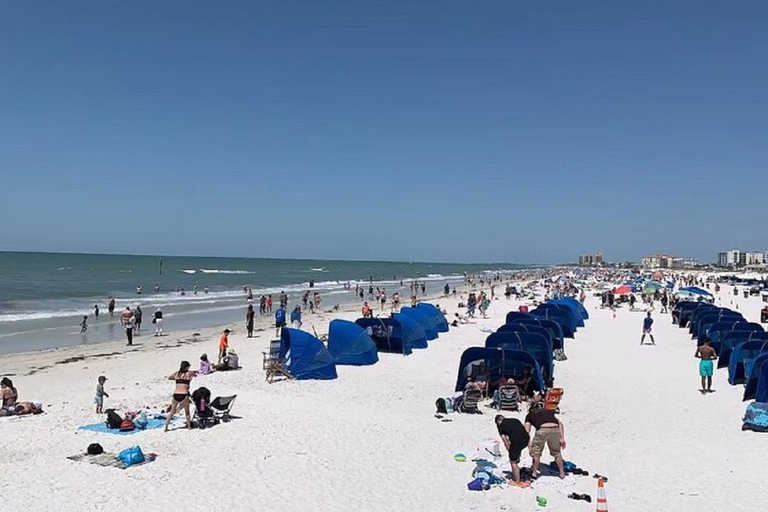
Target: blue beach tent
[
  {"x": 518, "y": 327},
  {"x": 552, "y": 326},
  {"x": 497, "y": 363},
  {"x": 414, "y": 330},
  {"x": 535, "y": 344},
  {"x": 743, "y": 352},
  {"x": 734, "y": 338},
  {"x": 513, "y": 315},
  {"x": 390, "y": 335},
  {"x": 579, "y": 306},
  {"x": 306, "y": 356},
  {"x": 761, "y": 394},
  {"x": 350, "y": 344},
  {"x": 439, "y": 320},
  {"x": 753, "y": 376},
  {"x": 565, "y": 310},
  {"x": 423, "y": 319},
  {"x": 687, "y": 310},
  {"x": 717, "y": 331},
  {"x": 706, "y": 323},
  {"x": 571, "y": 308},
  {"x": 560, "y": 317}
]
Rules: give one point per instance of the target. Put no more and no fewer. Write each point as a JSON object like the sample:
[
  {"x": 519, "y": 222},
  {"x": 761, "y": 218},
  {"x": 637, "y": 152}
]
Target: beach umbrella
[
  {"x": 623, "y": 289},
  {"x": 694, "y": 292},
  {"x": 652, "y": 287}
]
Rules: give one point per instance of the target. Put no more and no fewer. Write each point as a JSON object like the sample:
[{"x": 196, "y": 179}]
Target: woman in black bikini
[{"x": 181, "y": 393}]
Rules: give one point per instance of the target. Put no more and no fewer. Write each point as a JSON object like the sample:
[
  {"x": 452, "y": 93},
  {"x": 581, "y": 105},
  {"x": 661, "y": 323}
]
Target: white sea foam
[
  {"x": 218, "y": 271},
  {"x": 189, "y": 271}
]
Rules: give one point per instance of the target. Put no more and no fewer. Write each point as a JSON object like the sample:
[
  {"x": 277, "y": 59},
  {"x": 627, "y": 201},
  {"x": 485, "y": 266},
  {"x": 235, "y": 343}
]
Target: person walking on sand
[
  {"x": 249, "y": 317},
  {"x": 129, "y": 325},
  {"x": 223, "y": 344},
  {"x": 138, "y": 314},
  {"x": 127, "y": 313},
  {"x": 100, "y": 394},
  {"x": 707, "y": 354},
  {"x": 296, "y": 317},
  {"x": 279, "y": 320},
  {"x": 180, "y": 396},
  {"x": 515, "y": 439},
  {"x": 84, "y": 324},
  {"x": 647, "y": 325},
  {"x": 157, "y": 319},
  {"x": 549, "y": 432}
]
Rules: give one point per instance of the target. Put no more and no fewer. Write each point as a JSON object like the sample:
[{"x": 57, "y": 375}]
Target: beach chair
[
  {"x": 508, "y": 398},
  {"x": 221, "y": 407},
  {"x": 278, "y": 368},
  {"x": 470, "y": 401},
  {"x": 273, "y": 354},
  {"x": 552, "y": 399}
]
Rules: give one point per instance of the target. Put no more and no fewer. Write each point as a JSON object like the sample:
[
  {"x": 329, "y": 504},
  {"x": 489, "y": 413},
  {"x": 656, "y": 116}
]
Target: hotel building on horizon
[{"x": 737, "y": 258}]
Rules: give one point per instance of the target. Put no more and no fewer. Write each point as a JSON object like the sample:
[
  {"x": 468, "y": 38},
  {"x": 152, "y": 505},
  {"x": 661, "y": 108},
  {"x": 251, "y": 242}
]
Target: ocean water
[{"x": 44, "y": 296}]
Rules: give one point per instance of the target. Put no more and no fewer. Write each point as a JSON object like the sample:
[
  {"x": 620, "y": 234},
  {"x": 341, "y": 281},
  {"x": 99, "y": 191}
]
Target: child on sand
[
  {"x": 100, "y": 394},
  {"x": 647, "y": 325}
]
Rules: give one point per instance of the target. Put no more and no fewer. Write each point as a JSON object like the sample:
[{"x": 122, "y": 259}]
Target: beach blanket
[
  {"x": 107, "y": 460},
  {"x": 102, "y": 427}
]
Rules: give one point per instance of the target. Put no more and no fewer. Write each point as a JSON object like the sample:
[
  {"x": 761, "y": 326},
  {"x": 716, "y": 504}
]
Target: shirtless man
[{"x": 707, "y": 354}]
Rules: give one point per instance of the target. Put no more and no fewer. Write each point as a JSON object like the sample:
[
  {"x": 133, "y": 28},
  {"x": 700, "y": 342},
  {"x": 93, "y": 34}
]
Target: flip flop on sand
[{"x": 601, "y": 477}]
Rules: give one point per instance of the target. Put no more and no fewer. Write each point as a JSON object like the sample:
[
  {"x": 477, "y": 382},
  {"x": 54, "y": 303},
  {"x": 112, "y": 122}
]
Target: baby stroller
[{"x": 205, "y": 415}]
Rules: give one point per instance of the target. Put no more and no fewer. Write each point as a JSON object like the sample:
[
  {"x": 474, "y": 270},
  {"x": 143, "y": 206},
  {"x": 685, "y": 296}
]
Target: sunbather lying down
[{"x": 22, "y": 408}]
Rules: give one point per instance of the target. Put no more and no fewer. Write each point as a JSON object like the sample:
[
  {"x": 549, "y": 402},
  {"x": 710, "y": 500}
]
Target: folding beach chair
[
  {"x": 508, "y": 398},
  {"x": 277, "y": 368},
  {"x": 552, "y": 399},
  {"x": 273, "y": 354},
  {"x": 221, "y": 407},
  {"x": 470, "y": 400}
]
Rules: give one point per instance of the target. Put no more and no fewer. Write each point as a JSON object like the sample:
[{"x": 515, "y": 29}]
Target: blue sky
[{"x": 442, "y": 131}]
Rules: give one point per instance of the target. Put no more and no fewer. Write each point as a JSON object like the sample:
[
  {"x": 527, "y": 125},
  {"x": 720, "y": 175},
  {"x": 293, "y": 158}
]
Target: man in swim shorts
[
  {"x": 515, "y": 439},
  {"x": 707, "y": 354}
]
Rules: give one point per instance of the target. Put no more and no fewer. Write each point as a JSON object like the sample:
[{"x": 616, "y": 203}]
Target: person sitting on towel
[{"x": 231, "y": 362}]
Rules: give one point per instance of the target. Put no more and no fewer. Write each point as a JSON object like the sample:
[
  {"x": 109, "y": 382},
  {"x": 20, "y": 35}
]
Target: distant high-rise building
[
  {"x": 589, "y": 260},
  {"x": 659, "y": 261},
  {"x": 737, "y": 258}
]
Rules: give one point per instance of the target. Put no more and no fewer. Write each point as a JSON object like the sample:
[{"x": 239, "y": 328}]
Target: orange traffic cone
[{"x": 602, "y": 501}]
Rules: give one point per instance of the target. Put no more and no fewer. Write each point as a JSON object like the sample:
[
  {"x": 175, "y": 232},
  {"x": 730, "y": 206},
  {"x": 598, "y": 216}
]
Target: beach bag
[
  {"x": 95, "y": 449},
  {"x": 113, "y": 419},
  {"x": 141, "y": 421},
  {"x": 131, "y": 456},
  {"x": 444, "y": 405},
  {"x": 756, "y": 417},
  {"x": 127, "y": 425}
]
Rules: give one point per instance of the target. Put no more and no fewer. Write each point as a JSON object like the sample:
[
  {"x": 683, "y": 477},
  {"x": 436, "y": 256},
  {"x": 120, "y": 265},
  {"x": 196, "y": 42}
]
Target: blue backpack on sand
[{"x": 131, "y": 456}]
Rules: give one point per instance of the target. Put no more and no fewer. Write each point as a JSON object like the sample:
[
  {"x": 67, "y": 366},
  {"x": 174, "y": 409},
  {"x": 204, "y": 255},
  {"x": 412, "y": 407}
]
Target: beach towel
[
  {"x": 108, "y": 460},
  {"x": 756, "y": 417},
  {"x": 156, "y": 422}
]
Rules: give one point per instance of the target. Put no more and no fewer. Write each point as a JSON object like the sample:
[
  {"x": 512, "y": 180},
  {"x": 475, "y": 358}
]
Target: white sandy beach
[{"x": 369, "y": 440}]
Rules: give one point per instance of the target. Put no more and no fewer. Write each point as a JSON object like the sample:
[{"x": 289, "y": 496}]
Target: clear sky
[{"x": 509, "y": 130}]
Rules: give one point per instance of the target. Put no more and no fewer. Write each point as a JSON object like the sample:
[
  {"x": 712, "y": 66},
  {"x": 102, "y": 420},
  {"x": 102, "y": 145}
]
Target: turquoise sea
[{"x": 44, "y": 296}]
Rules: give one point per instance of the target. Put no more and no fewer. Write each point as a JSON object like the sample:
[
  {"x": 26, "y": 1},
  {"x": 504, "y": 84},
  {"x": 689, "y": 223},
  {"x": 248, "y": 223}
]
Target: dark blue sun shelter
[
  {"x": 350, "y": 344},
  {"x": 514, "y": 315},
  {"x": 497, "y": 363},
  {"x": 743, "y": 352},
  {"x": 556, "y": 315},
  {"x": 306, "y": 356},
  {"x": 552, "y": 326},
  {"x": 535, "y": 344},
  {"x": 753, "y": 376},
  {"x": 423, "y": 319},
  {"x": 578, "y": 305},
  {"x": 439, "y": 320},
  {"x": 718, "y": 330},
  {"x": 734, "y": 338},
  {"x": 391, "y": 335},
  {"x": 575, "y": 311},
  {"x": 761, "y": 394},
  {"x": 518, "y": 327}
]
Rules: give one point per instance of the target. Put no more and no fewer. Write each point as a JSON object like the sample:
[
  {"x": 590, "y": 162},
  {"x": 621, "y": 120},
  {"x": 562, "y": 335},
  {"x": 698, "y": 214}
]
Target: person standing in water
[
  {"x": 647, "y": 325},
  {"x": 129, "y": 325},
  {"x": 707, "y": 354},
  {"x": 157, "y": 319},
  {"x": 138, "y": 314},
  {"x": 111, "y": 305},
  {"x": 84, "y": 324},
  {"x": 96, "y": 310},
  {"x": 138, "y": 290}
]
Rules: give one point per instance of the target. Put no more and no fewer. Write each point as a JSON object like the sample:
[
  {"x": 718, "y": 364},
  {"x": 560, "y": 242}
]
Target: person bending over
[
  {"x": 549, "y": 432},
  {"x": 515, "y": 438}
]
